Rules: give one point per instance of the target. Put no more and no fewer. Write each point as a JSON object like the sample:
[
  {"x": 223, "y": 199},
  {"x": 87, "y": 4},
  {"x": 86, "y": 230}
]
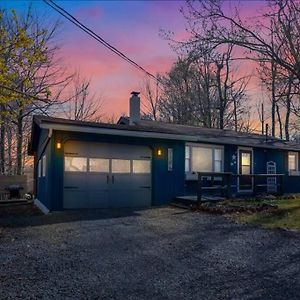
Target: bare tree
[
  {"x": 81, "y": 105},
  {"x": 152, "y": 93}
]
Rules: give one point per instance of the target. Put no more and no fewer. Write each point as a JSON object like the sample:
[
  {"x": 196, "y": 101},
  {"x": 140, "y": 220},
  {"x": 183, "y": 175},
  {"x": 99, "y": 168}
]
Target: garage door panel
[
  {"x": 98, "y": 199},
  {"x": 130, "y": 198},
  {"x": 97, "y": 181},
  {"x": 75, "y": 199},
  {"x": 78, "y": 181}
]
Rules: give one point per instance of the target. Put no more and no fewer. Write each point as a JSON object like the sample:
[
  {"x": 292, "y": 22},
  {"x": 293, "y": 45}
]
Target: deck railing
[{"x": 225, "y": 184}]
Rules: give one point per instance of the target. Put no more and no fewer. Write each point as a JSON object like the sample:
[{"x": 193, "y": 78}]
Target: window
[
  {"x": 39, "y": 168},
  {"x": 170, "y": 159},
  {"x": 293, "y": 162},
  {"x": 246, "y": 163},
  {"x": 120, "y": 166},
  {"x": 100, "y": 165},
  {"x": 44, "y": 166},
  {"x": 75, "y": 164},
  {"x": 203, "y": 158},
  {"x": 141, "y": 166},
  {"x": 218, "y": 160}
]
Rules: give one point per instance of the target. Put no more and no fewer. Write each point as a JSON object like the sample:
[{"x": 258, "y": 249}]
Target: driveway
[{"x": 159, "y": 253}]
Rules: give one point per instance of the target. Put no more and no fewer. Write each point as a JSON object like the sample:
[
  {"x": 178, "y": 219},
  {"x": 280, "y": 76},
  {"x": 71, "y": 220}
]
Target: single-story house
[{"x": 137, "y": 162}]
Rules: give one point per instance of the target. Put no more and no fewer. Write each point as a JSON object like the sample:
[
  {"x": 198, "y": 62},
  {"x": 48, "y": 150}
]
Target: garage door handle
[
  {"x": 145, "y": 187},
  {"x": 113, "y": 179},
  {"x": 107, "y": 179},
  {"x": 71, "y": 187}
]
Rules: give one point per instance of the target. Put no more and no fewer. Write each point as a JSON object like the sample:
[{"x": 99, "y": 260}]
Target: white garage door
[{"x": 106, "y": 175}]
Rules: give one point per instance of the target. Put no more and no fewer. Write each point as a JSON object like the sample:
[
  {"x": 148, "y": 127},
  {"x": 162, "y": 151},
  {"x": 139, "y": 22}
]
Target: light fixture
[
  {"x": 58, "y": 145},
  {"x": 159, "y": 152}
]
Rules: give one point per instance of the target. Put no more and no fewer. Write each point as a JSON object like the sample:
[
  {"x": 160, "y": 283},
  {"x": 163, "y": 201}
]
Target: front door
[{"x": 245, "y": 181}]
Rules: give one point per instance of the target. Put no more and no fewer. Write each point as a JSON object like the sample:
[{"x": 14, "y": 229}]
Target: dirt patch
[
  {"x": 227, "y": 208},
  {"x": 19, "y": 209}
]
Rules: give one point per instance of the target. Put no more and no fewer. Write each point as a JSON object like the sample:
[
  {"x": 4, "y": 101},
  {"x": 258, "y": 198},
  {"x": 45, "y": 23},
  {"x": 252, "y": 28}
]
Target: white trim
[
  {"x": 41, "y": 206},
  {"x": 238, "y": 168}
]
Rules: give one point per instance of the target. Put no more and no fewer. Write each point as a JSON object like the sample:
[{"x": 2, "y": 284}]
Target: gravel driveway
[{"x": 159, "y": 253}]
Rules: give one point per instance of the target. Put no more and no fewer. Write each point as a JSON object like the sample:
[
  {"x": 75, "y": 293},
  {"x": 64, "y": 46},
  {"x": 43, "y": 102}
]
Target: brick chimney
[{"x": 134, "y": 108}]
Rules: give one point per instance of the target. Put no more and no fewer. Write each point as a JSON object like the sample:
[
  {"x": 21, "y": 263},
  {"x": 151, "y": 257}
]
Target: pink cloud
[{"x": 89, "y": 12}]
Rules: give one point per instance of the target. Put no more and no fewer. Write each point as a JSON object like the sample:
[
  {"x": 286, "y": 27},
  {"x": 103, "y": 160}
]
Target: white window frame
[
  {"x": 294, "y": 172},
  {"x": 192, "y": 175},
  {"x": 238, "y": 168}
]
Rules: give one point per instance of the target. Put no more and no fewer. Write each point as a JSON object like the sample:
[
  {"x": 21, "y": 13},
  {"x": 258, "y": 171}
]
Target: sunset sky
[{"x": 131, "y": 26}]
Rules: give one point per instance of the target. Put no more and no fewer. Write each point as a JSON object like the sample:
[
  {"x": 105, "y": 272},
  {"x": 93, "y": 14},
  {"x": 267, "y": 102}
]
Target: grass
[{"x": 286, "y": 216}]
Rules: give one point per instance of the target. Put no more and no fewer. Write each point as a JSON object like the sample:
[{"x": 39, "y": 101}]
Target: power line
[{"x": 95, "y": 36}]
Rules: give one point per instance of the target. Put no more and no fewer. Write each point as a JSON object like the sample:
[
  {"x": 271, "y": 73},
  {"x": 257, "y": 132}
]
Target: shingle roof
[{"x": 208, "y": 135}]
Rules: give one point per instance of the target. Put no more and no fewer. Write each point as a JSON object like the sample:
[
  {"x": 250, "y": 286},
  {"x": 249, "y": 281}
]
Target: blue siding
[
  {"x": 165, "y": 184},
  {"x": 43, "y": 184}
]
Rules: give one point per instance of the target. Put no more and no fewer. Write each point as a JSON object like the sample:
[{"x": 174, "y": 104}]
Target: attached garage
[{"x": 106, "y": 175}]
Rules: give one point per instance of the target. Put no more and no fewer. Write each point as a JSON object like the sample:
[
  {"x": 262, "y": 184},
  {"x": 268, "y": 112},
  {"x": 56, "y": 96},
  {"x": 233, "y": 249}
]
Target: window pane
[
  {"x": 292, "y": 162},
  {"x": 99, "y": 165},
  {"x": 246, "y": 170},
  {"x": 120, "y": 166},
  {"x": 218, "y": 166},
  {"x": 218, "y": 154},
  {"x": 141, "y": 166},
  {"x": 246, "y": 159},
  {"x": 201, "y": 159},
  {"x": 75, "y": 164}
]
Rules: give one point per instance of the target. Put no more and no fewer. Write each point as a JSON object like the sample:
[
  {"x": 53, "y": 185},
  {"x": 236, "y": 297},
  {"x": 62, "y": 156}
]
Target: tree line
[
  {"x": 204, "y": 86},
  {"x": 207, "y": 85}
]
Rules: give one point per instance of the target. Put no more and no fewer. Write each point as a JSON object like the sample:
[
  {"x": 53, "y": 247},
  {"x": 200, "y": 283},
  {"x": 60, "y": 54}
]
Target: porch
[{"x": 216, "y": 186}]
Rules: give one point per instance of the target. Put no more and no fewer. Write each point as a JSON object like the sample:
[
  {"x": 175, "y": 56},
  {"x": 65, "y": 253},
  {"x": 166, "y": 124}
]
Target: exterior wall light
[
  {"x": 159, "y": 152},
  {"x": 58, "y": 145}
]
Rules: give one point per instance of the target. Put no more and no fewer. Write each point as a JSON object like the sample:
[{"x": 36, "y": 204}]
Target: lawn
[{"x": 286, "y": 216}]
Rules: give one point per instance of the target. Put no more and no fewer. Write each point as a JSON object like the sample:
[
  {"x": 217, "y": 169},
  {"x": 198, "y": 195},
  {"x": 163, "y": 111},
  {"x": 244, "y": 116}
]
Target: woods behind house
[{"x": 207, "y": 86}]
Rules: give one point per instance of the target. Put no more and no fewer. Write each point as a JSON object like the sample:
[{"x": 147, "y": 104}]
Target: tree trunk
[
  {"x": 2, "y": 147},
  {"x": 2, "y": 140},
  {"x": 288, "y": 109},
  {"x": 9, "y": 151},
  {"x": 19, "y": 142},
  {"x": 273, "y": 112},
  {"x": 235, "y": 115},
  {"x": 279, "y": 121}
]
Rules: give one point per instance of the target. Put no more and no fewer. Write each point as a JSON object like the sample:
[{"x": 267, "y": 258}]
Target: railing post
[
  {"x": 199, "y": 188},
  {"x": 254, "y": 179},
  {"x": 281, "y": 184},
  {"x": 228, "y": 179}
]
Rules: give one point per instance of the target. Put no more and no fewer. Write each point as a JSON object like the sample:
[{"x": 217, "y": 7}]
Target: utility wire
[{"x": 95, "y": 36}]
